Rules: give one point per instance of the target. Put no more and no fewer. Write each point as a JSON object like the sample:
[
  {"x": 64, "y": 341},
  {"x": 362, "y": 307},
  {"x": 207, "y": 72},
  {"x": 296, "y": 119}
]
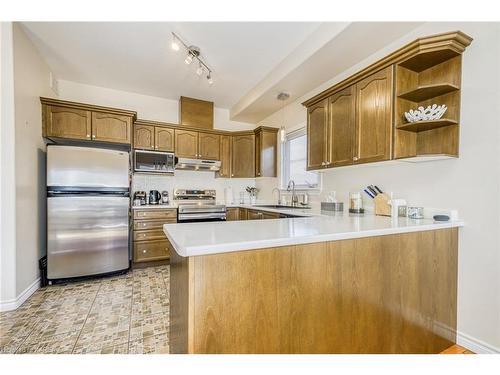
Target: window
[{"x": 294, "y": 151}]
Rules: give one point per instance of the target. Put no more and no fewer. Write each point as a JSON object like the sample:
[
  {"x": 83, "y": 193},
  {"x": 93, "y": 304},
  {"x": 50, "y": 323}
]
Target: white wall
[
  {"x": 7, "y": 175},
  {"x": 470, "y": 183},
  {"x": 31, "y": 80}
]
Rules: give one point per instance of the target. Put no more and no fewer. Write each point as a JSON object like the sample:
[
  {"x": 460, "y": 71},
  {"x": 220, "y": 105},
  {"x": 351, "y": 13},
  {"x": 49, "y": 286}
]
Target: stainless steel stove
[{"x": 198, "y": 205}]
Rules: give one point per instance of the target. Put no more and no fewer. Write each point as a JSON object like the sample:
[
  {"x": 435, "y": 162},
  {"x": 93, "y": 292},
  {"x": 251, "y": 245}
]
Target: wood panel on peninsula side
[{"x": 385, "y": 294}]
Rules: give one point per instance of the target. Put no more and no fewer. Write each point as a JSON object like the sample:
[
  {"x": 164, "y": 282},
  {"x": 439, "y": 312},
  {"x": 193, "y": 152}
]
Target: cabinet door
[
  {"x": 243, "y": 212},
  {"x": 232, "y": 214},
  {"x": 374, "y": 117},
  {"x": 164, "y": 139},
  {"x": 266, "y": 142},
  {"x": 243, "y": 156},
  {"x": 109, "y": 127},
  {"x": 317, "y": 135},
  {"x": 144, "y": 136},
  {"x": 225, "y": 156},
  {"x": 186, "y": 144},
  {"x": 254, "y": 215},
  {"x": 270, "y": 215},
  {"x": 68, "y": 123},
  {"x": 341, "y": 128},
  {"x": 208, "y": 146}
]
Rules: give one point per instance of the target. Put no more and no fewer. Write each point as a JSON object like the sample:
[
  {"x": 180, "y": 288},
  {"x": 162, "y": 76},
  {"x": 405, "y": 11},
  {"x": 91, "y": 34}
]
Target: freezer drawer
[{"x": 87, "y": 235}]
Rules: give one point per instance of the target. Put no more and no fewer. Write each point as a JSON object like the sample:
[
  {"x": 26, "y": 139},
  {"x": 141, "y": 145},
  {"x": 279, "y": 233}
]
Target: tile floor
[{"x": 119, "y": 314}]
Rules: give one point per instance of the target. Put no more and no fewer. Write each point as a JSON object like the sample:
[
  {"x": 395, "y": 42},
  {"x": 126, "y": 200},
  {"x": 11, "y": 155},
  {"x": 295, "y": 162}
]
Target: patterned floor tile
[
  {"x": 101, "y": 331},
  {"x": 149, "y": 304},
  {"x": 56, "y": 344},
  {"x": 146, "y": 326},
  {"x": 150, "y": 345},
  {"x": 115, "y": 349},
  {"x": 9, "y": 344},
  {"x": 117, "y": 314}
]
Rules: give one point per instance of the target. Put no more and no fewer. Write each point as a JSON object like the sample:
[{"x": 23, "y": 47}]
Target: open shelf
[
  {"x": 425, "y": 60},
  {"x": 422, "y": 126},
  {"x": 428, "y": 91}
]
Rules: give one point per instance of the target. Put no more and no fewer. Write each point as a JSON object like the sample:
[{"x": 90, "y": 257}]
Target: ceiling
[
  {"x": 252, "y": 61},
  {"x": 137, "y": 57}
]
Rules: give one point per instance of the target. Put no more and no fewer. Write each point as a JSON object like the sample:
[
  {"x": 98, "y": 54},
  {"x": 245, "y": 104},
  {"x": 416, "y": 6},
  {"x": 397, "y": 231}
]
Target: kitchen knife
[
  {"x": 372, "y": 190},
  {"x": 369, "y": 193},
  {"x": 376, "y": 188}
]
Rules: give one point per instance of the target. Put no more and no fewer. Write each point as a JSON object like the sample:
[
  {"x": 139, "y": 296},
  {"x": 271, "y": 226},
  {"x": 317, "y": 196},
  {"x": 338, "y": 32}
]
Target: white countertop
[{"x": 192, "y": 239}]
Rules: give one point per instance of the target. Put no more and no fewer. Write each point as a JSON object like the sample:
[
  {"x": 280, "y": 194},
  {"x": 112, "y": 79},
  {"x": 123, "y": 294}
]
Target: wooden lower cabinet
[
  {"x": 254, "y": 215},
  {"x": 385, "y": 294},
  {"x": 146, "y": 251},
  {"x": 233, "y": 214},
  {"x": 243, "y": 213},
  {"x": 271, "y": 215},
  {"x": 150, "y": 243}
]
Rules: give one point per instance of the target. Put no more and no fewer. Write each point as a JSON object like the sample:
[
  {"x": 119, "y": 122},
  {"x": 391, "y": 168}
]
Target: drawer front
[
  {"x": 146, "y": 235},
  {"x": 148, "y": 225},
  {"x": 151, "y": 250},
  {"x": 155, "y": 214}
]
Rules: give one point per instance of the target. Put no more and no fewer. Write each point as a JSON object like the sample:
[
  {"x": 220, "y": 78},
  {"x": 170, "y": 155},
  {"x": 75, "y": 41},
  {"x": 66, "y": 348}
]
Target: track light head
[{"x": 209, "y": 78}]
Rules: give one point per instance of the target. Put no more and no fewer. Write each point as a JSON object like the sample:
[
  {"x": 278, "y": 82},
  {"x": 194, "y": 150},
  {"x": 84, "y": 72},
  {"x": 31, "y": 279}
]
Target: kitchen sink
[{"x": 277, "y": 206}]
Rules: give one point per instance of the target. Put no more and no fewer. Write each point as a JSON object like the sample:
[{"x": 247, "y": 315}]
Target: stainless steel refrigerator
[{"x": 87, "y": 211}]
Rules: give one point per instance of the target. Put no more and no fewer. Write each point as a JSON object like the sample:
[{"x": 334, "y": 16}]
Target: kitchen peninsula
[{"x": 317, "y": 284}]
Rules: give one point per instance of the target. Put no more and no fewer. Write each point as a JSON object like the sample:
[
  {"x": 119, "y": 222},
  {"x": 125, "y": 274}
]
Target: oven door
[
  {"x": 191, "y": 213},
  {"x": 192, "y": 218}
]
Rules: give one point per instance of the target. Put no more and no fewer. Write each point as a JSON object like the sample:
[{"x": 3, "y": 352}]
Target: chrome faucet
[
  {"x": 279, "y": 195},
  {"x": 295, "y": 198}
]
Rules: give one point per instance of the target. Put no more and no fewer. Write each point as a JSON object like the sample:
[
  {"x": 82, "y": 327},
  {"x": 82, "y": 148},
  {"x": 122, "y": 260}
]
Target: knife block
[{"x": 382, "y": 206}]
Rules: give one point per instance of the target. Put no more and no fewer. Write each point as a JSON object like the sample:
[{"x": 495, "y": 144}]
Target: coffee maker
[
  {"x": 154, "y": 197},
  {"x": 139, "y": 198}
]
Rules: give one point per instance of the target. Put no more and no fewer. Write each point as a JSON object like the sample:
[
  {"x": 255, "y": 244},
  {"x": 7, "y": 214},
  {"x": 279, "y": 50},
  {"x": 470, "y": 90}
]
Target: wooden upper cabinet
[
  {"x": 225, "y": 156},
  {"x": 64, "y": 122},
  {"x": 317, "y": 135},
  {"x": 373, "y": 133},
  {"x": 186, "y": 144},
  {"x": 266, "y": 144},
  {"x": 243, "y": 155},
  {"x": 109, "y": 127},
  {"x": 164, "y": 139},
  {"x": 208, "y": 146},
  {"x": 144, "y": 137},
  {"x": 342, "y": 127}
]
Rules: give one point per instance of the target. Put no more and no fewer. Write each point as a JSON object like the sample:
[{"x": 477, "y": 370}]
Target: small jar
[{"x": 356, "y": 203}]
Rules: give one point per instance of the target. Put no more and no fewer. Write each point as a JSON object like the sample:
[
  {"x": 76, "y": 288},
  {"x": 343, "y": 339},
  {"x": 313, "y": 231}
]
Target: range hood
[{"x": 198, "y": 164}]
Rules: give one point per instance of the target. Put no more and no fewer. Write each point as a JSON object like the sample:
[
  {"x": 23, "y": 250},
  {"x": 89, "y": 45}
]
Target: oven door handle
[{"x": 199, "y": 216}]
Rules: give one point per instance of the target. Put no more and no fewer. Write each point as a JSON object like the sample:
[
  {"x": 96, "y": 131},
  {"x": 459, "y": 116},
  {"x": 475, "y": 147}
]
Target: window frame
[{"x": 285, "y": 162}]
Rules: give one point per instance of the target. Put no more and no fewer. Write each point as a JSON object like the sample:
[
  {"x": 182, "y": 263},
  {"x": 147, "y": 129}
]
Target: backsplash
[{"x": 191, "y": 180}]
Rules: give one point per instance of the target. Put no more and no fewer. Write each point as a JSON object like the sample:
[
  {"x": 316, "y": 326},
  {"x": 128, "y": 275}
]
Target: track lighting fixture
[{"x": 193, "y": 53}]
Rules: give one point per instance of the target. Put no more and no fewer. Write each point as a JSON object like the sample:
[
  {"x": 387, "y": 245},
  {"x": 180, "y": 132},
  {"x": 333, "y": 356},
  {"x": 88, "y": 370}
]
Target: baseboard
[
  {"x": 25, "y": 294},
  {"x": 475, "y": 345}
]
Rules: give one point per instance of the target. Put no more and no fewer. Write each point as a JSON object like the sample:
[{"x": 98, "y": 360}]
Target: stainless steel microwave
[{"x": 154, "y": 162}]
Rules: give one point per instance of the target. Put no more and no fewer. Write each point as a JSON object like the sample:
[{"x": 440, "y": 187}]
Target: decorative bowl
[{"x": 434, "y": 112}]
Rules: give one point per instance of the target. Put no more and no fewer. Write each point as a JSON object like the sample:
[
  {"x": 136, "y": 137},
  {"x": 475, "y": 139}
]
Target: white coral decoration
[{"x": 430, "y": 113}]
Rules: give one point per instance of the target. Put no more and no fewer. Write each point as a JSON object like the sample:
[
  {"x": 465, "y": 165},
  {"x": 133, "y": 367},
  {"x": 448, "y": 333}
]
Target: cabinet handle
[
  {"x": 355, "y": 158},
  {"x": 144, "y": 251},
  {"x": 232, "y": 175},
  {"x": 93, "y": 136},
  {"x": 323, "y": 163},
  {"x": 88, "y": 135}
]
